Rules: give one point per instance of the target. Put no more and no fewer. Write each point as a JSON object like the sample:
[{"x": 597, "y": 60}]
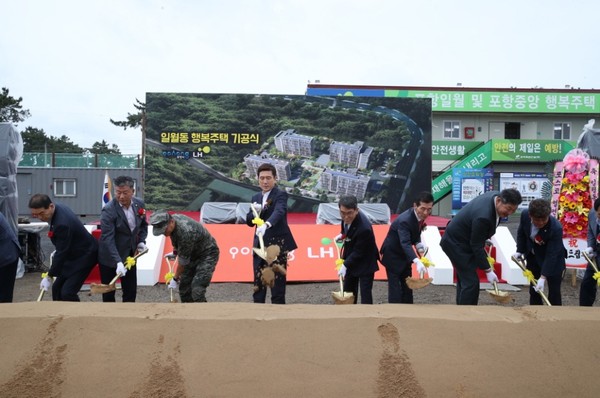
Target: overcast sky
[{"x": 79, "y": 63}]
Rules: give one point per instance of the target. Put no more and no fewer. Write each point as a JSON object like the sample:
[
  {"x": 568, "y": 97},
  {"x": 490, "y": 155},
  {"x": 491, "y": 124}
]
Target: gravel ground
[{"x": 27, "y": 289}]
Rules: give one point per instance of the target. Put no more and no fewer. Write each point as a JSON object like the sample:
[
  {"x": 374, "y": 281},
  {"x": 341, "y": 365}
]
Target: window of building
[
  {"x": 452, "y": 129},
  {"x": 562, "y": 131},
  {"x": 65, "y": 187}
]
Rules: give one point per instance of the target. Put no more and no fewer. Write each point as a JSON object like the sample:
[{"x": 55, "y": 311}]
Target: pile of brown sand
[{"x": 53, "y": 349}]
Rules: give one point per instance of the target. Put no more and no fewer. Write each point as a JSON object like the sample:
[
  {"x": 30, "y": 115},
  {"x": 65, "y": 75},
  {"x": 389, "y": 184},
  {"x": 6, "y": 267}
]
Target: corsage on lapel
[
  {"x": 538, "y": 240},
  {"x": 598, "y": 238},
  {"x": 51, "y": 233},
  {"x": 269, "y": 202}
]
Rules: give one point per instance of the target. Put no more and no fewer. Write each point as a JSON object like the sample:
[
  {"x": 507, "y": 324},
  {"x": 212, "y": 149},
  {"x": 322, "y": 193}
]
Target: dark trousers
[
  {"x": 278, "y": 289},
  {"x": 67, "y": 288},
  {"x": 364, "y": 282},
  {"x": 398, "y": 290},
  {"x": 553, "y": 282},
  {"x": 8, "y": 273},
  {"x": 589, "y": 288},
  {"x": 128, "y": 284},
  {"x": 196, "y": 277},
  {"x": 467, "y": 286}
]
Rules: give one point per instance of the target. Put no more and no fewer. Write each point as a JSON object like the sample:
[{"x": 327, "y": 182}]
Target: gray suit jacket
[
  {"x": 117, "y": 240},
  {"x": 465, "y": 236},
  {"x": 592, "y": 232}
]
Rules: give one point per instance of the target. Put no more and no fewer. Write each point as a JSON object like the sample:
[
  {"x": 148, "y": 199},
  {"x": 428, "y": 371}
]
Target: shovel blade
[
  {"x": 99, "y": 288},
  {"x": 260, "y": 253},
  {"x": 342, "y": 297},
  {"x": 418, "y": 283},
  {"x": 500, "y": 297}
]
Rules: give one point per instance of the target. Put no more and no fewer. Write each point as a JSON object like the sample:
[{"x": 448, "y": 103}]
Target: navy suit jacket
[
  {"x": 76, "y": 248},
  {"x": 275, "y": 212},
  {"x": 360, "y": 252},
  {"x": 397, "y": 249},
  {"x": 117, "y": 240},
  {"x": 550, "y": 253},
  {"x": 464, "y": 238},
  {"x": 9, "y": 244}
]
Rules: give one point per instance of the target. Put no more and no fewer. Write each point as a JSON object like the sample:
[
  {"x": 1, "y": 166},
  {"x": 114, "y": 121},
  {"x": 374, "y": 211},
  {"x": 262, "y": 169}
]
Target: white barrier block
[
  {"x": 148, "y": 265},
  {"x": 505, "y": 247},
  {"x": 442, "y": 273}
]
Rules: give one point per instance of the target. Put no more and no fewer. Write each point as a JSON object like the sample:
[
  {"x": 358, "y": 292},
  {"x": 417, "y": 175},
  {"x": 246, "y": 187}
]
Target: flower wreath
[{"x": 574, "y": 200}]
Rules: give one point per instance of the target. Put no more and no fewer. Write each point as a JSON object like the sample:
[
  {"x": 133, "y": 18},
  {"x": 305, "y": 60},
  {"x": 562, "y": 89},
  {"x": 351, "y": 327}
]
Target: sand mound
[{"x": 244, "y": 350}]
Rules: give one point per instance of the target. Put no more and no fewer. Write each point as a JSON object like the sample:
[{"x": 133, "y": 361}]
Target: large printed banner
[
  {"x": 207, "y": 148},
  {"x": 312, "y": 261}
]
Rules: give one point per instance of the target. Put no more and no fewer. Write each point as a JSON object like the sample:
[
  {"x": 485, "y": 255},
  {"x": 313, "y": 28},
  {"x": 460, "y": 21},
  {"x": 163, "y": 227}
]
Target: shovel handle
[
  {"x": 114, "y": 280},
  {"x": 591, "y": 261},
  {"x": 41, "y": 296},
  {"x": 496, "y": 287},
  {"x": 141, "y": 253},
  {"x": 342, "y": 286},
  {"x": 533, "y": 282}
]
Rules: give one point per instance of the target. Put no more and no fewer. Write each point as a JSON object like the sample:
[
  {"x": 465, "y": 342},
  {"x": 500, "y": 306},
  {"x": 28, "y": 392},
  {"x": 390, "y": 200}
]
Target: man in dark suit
[
  {"x": 124, "y": 230},
  {"x": 589, "y": 286},
  {"x": 359, "y": 250},
  {"x": 9, "y": 260},
  {"x": 76, "y": 249},
  {"x": 539, "y": 239},
  {"x": 397, "y": 252},
  {"x": 464, "y": 240},
  {"x": 271, "y": 205}
]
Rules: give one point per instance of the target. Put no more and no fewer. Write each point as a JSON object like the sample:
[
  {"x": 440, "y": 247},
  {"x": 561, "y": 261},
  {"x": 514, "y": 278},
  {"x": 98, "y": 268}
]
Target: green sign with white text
[
  {"x": 530, "y": 150},
  {"x": 452, "y": 150},
  {"x": 519, "y": 102}
]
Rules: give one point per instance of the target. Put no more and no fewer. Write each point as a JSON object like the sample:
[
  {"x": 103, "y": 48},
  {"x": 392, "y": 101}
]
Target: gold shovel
[
  {"x": 171, "y": 257},
  {"x": 260, "y": 252},
  {"x": 532, "y": 280},
  {"x": 498, "y": 295},
  {"x": 420, "y": 282},
  {"x": 341, "y": 297},
  {"x": 97, "y": 288}
]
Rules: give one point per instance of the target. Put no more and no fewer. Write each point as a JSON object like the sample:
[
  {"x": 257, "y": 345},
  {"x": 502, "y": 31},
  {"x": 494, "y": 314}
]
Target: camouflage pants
[{"x": 196, "y": 277}]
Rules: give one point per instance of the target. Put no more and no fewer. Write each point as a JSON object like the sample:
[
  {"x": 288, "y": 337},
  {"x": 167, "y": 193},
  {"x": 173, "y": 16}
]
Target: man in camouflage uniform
[{"x": 196, "y": 250}]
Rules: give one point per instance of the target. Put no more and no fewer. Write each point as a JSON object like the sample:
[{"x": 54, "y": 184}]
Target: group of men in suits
[
  {"x": 539, "y": 241},
  {"x": 124, "y": 231}
]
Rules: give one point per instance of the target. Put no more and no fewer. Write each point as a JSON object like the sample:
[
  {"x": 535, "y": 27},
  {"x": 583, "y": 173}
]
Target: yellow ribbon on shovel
[
  {"x": 592, "y": 262},
  {"x": 261, "y": 252},
  {"x": 529, "y": 275}
]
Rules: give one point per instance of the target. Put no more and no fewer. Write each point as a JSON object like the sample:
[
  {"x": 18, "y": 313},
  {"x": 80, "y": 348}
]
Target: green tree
[
  {"x": 36, "y": 140},
  {"x": 11, "y": 109},
  {"x": 134, "y": 120},
  {"x": 103, "y": 148}
]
